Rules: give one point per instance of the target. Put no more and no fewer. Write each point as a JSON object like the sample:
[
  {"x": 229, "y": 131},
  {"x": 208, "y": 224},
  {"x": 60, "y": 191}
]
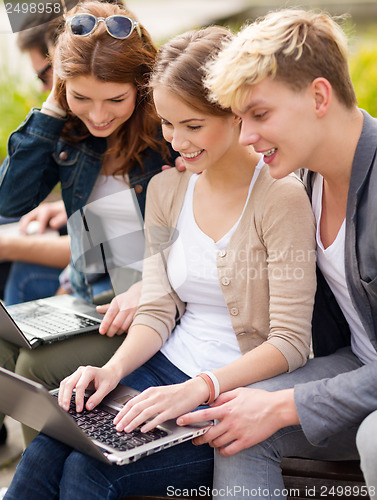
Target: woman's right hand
[{"x": 103, "y": 380}]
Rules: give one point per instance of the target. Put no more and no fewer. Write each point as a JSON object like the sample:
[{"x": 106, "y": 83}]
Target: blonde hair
[{"x": 293, "y": 46}]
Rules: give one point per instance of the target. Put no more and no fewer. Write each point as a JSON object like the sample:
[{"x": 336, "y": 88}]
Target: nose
[
  {"x": 97, "y": 113},
  {"x": 178, "y": 141},
  {"x": 248, "y": 134}
]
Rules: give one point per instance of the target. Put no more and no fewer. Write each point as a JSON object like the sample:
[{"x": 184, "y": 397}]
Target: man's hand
[
  {"x": 179, "y": 165},
  {"x": 245, "y": 418},
  {"x": 47, "y": 215}
]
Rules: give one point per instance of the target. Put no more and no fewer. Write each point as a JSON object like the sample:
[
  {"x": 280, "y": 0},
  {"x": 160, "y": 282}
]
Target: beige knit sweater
[{"x": 267, "y": 274}]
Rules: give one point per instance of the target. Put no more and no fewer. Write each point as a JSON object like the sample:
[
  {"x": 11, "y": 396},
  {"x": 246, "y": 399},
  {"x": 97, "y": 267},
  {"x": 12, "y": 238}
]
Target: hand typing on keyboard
[
  {"x": 99, "y": 425},
  {"x": 158, "y": 404}
]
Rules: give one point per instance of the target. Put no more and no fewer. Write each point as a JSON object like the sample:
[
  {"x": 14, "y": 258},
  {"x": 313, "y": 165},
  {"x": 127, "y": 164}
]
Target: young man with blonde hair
[{"x": 286, "y": 76}]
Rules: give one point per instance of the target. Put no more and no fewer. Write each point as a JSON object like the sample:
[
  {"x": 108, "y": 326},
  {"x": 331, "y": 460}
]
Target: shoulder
[
  {"x": 291, "y": 185},
  {"x": 168, "y": 180},
  {"x": 166, "y": 192}
]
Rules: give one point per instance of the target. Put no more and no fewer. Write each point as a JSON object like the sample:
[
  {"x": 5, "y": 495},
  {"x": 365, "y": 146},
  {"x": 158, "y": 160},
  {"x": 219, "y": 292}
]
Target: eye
[
  {"x": 260, "y": 115},
  {"x": 79, "y": 98},
  {"x": 192, "y": 127},
  {"x": 166, "y": 123},
  {"x": 116, "y": 100}
]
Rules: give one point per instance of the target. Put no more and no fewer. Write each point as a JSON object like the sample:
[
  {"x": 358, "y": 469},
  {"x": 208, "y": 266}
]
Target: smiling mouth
[
  {"x": 270, "y": 152},
  {"x": 100, "y": 125},
  {"x": 189, "y": 156}
]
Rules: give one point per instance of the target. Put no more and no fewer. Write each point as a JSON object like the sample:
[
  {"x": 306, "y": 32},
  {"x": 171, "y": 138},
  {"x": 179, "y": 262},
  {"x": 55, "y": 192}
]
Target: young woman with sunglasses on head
[
  {"x": 232, "y": 258},
  {"x": 97, "y": 135}
]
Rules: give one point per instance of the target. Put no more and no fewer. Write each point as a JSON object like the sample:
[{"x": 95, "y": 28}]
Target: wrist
[
  {"x": 200, "y": 387},
  {"x": 51, "y": 107},
  {"x": 115, "y": 369},
  {"x": 286, "y": 408}
]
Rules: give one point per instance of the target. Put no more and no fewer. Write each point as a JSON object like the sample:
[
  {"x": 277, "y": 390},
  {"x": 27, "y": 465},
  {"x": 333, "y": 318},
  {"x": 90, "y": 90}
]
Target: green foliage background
[
  {"x": 16, "y": 100},
  {"x": 363, "y": 68}
]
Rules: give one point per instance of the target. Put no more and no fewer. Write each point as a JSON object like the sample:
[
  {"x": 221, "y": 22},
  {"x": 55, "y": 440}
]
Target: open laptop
[
  {"x": 48, "y": 320},
  {"x": 91, "y": 432}
]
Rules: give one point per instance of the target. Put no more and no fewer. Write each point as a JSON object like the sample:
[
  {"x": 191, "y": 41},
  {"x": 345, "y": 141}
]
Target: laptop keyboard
[
  {"x": 49, "y": 320},
  {"x": 98, "y": 424}
]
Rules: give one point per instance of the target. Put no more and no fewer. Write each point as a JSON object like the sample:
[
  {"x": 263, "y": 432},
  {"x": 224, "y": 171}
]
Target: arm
[
  {"x": 322, "y": 408},
  {"x": 140, "y": 345},
  {"x": 145, "y": 336},
  {"x": 287, "y": 229},
  {"x": 53, "y": 252},
  {"x": 245, "y": 418},
  {"x": 326, "y": 407}
]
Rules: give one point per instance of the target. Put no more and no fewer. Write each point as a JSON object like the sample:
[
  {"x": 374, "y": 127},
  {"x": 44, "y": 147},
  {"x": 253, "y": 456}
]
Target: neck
[
  {"x": 236, "y": 169},
  {"x": 338, "y": 150}
]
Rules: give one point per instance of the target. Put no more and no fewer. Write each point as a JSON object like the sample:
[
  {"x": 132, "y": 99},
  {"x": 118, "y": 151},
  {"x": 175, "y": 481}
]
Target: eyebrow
[
  {"x": 254, "y": 104},
  {"x": 184, "y": 121},
  {"x": 108, "y": 98}
]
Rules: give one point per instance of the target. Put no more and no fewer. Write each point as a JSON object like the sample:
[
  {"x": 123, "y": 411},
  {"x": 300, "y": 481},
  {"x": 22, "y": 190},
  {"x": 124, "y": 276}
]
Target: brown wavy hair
[{"x": 111, "y": 60}]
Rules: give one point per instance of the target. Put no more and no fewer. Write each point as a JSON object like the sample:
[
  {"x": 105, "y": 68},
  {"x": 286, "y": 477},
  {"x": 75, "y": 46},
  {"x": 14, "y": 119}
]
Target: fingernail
[
  {"x": 90, "y": 406},
  {"x": 180, "y": 421}
]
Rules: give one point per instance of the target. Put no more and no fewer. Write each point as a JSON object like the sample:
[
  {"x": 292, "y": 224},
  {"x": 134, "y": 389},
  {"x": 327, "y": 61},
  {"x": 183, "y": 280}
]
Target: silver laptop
[
  {"x": 91, "y": 432},
  {"x": 48, "y": 320}
]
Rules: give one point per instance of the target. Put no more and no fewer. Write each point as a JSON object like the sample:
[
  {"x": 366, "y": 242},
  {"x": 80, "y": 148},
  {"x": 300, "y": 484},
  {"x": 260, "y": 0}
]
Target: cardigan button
[
  {"x": 63, "y": 155},
  {"x": 138, "y": 189},
  {"x": 222, "y": 253},
  {"x": 225, "y": 281},
  {"x": 234, "y": 311}
]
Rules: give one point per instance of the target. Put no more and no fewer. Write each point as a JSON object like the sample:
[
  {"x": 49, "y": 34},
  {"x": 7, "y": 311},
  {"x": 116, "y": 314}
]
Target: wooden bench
[{"x": 313, "y": 479}]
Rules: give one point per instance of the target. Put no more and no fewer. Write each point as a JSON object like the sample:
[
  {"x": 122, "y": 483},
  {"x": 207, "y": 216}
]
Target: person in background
[
  {"x": 233, "y": 292},
  {"x": 286, "y": 76},
  {"x": 99, "y": 136}
]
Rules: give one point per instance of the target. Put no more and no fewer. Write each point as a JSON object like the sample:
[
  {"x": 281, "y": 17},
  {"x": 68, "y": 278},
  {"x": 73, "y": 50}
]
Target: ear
[
  {"x": 236, "y": 120},
  {"x": 322, "y": 92}
]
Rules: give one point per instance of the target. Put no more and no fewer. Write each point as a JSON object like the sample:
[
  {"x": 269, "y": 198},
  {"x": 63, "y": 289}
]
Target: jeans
[
  {"x": 366, "y": 441},
  {"x": 51, "y": 470},
  {"x": 29, "y": 282},
  {"x": 255, "y": 472}
]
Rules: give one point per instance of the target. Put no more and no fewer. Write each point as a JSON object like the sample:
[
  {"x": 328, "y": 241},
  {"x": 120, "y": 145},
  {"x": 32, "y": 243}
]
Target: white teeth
[
  {"x": 192, "y": 155},
  {"x": 101, "y": 124},
  {"x": 270, "y": 152}
]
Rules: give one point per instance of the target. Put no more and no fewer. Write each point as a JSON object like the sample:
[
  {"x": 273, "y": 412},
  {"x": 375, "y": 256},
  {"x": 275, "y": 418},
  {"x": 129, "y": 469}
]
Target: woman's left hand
[
  {"x": 160, "y": 404},
  {"x": 120, "y": 312}
]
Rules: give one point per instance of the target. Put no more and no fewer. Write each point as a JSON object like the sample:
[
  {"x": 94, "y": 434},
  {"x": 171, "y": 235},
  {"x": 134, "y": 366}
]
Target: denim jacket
[
  {"x": 39, "y": 158},
  {"x": 330, "y": 328}
]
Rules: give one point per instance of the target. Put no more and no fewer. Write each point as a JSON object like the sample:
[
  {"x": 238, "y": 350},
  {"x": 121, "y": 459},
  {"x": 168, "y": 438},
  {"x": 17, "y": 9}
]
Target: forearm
[
  {"x": 265, "y": 361},
  {"x": 138, "y": 347},
  {"x": 328, "y": 406},
  {"x": 52, "y": 252}
]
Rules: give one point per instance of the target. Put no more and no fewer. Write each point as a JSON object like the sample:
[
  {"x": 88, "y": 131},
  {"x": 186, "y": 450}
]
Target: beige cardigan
[{"x": 267, "y": 274}]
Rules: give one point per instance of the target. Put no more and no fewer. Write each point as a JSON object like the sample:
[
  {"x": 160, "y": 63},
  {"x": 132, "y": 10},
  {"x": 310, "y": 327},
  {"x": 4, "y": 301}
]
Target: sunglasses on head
[
  {"x": 42, "y": 74},
  {"x": 117, "y": 26}
]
